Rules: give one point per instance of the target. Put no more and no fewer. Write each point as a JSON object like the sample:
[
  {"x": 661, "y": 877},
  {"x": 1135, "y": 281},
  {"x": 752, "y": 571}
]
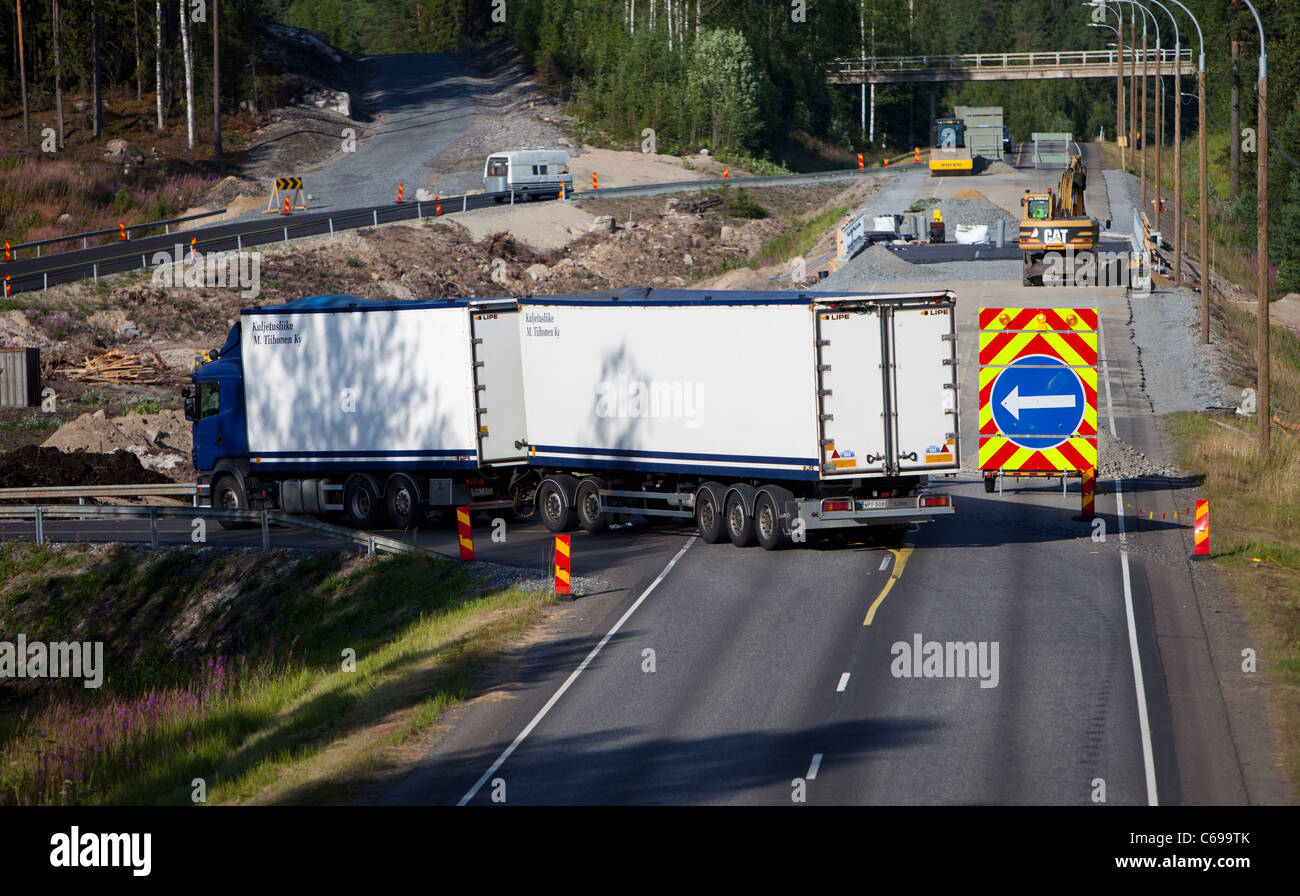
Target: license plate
[
  {"x": 880, "y": 504},
  {"x": 481, "y": 492}
]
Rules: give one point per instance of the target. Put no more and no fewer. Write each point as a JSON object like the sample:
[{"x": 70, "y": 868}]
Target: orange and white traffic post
[
  {"x": 1088, "y": 490},
  {"x": 6, "y": 285},
  {"x": 593, "y": 181},
  {"x": 121, "y": 226},
  {"x": 9, "y": 255},
  {"x": 465, "y": 532},
  {"x": 1201, "y": 530},
  {"x": 286, "y": 205},
  {"x": 886, "y": 165},
  {"x": 861, "y": 163},
  {"x": 916, "y": 155},
  {"x": 399, "y": 193},
  {"x": 194, "y": 241},
  {"x": 726, "y": 173},
  {"x": 562, "y": 548},
  {"x": 437, "y": 206}
]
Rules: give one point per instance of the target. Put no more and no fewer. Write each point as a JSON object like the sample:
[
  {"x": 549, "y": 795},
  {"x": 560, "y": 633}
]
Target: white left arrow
[{"x": 1015, "y": 402}]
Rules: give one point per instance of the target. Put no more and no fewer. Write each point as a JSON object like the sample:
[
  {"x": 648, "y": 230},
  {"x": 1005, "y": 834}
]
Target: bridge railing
[{"x": 1060, "y": 58}]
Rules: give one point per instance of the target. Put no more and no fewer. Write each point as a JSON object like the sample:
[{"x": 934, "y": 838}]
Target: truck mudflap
[{"x": 845, "y": 512}]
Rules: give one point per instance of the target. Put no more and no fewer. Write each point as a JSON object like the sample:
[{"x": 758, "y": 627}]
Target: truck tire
[
  {"x": 554, "y": 509},
  {"x": 769, "y": 531},
  {"x": 228, "y": 494},
  {"x": 361, "y": 500},
  {"x": 402, "y": 501},
  {"x": 708, "y": 514},
  {"x": 740, "y": 521},
  {"x": 590, "y": 516}
]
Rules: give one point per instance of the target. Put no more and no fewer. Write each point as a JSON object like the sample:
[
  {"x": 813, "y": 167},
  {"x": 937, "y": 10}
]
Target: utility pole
[{"x": 1234, "y": 126}]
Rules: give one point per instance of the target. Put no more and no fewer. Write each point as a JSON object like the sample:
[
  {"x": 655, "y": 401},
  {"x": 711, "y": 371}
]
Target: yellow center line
[{"x": 900, "y": 560}]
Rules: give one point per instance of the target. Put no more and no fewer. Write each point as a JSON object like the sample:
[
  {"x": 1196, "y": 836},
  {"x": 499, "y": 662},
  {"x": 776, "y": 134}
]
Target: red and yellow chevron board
[{"x": 1063, "y": 337}]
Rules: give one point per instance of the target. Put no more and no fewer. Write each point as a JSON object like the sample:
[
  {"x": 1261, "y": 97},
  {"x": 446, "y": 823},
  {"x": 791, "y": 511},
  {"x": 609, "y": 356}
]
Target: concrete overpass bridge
[{"x": 1003, "y": 66}]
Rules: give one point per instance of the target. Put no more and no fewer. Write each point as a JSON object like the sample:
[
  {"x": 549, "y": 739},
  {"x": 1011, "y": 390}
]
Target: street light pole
[
  {"x": 1178, "y": 149},
  {"x": 1201, "y": 146},
  {"x": 1119, "y": 76},
  {"x": 1263, "y": 403}
]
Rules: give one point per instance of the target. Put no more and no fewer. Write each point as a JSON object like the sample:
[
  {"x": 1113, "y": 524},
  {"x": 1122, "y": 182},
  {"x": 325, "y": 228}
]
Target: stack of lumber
[{"x": 113, "y": 366}]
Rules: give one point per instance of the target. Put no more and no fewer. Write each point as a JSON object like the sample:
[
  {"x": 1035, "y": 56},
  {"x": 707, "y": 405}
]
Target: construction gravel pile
[
  {"x": 876, "y": 264},
  {"x": 1120, "y": 460},
  {"x": 974, "y": 210}
]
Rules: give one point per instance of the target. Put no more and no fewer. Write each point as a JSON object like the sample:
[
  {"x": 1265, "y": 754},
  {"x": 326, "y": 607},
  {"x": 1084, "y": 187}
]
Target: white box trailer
[
  {"x": 762, "y": 414},
  {"x": 336, "y": 403}
]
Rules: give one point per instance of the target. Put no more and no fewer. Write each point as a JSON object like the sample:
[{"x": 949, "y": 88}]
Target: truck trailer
[{"x": 762, "y": 416}]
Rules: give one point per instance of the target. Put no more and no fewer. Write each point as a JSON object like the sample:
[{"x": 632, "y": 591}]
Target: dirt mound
[
  {"x": 161, "y": 441},
  {"x": 30, "y": 465},
  {"x": 970, "y": 194}
]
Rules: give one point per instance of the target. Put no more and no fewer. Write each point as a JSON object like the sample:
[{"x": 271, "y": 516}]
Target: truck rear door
[
  {"x": 498, "y": 384},
  {"x": 923, "y": 384},
  {"x": 851, "y": 390}
]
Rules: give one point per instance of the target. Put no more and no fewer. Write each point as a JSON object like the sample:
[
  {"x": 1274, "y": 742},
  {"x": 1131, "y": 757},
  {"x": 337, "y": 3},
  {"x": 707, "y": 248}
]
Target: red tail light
[
  {"x": 830, "y": 506},
  {"x": 934, "y": 501}
]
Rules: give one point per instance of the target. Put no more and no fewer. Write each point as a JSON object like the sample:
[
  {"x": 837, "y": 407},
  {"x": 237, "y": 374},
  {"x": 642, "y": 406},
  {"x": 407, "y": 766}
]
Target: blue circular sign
[{"x": 1037, "y": 402}]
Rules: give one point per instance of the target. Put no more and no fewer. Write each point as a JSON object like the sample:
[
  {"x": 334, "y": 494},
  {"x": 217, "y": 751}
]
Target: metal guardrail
[
  {"x": 99, "y": 491},
  {"x": 774, "y": 180},
  {"x": 264, "y": 518},
  {"x": 85, "y": 237}
]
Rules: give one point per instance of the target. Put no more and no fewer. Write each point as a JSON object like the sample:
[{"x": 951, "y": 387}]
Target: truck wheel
[
  {"x": 708, "y": 515},
  {"x": 402, "y": 501},
  {"x": 767, "y": 523},
  {"x": 740, "y": 522},
  {"x": 362, "y": 501},
  {"x": 554, "y": 510},
  {"x": 590, "y": 516},
  {"x": 228, "y": 494}
]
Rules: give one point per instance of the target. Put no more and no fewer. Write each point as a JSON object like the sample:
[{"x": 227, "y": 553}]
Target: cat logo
[{"x": 1054, "y": 235}]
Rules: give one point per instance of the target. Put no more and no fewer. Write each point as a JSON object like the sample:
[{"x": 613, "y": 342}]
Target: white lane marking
[
  {"x": 555, "y": 698},
  {"x": 812, "y": 769},
  {"x": 884, "y": 563},
  {"x": 844, "y": 682},
  {"x": 1144, "y": 724}
]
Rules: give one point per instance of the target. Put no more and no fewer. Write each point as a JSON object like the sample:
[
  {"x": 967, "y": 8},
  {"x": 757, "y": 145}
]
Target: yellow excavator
[{"x": 1056, "y": 222}]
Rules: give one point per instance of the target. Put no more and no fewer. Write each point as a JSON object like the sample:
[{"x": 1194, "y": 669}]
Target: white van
[{"x": 528, "y": 173}]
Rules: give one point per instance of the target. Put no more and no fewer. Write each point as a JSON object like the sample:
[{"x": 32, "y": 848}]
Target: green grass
[
  {"x": 32, "y": 423},
  {"x": 798, "y": 240},
  {"x": 266, "y": 710},
  {"x": 147, "y": 406}
]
